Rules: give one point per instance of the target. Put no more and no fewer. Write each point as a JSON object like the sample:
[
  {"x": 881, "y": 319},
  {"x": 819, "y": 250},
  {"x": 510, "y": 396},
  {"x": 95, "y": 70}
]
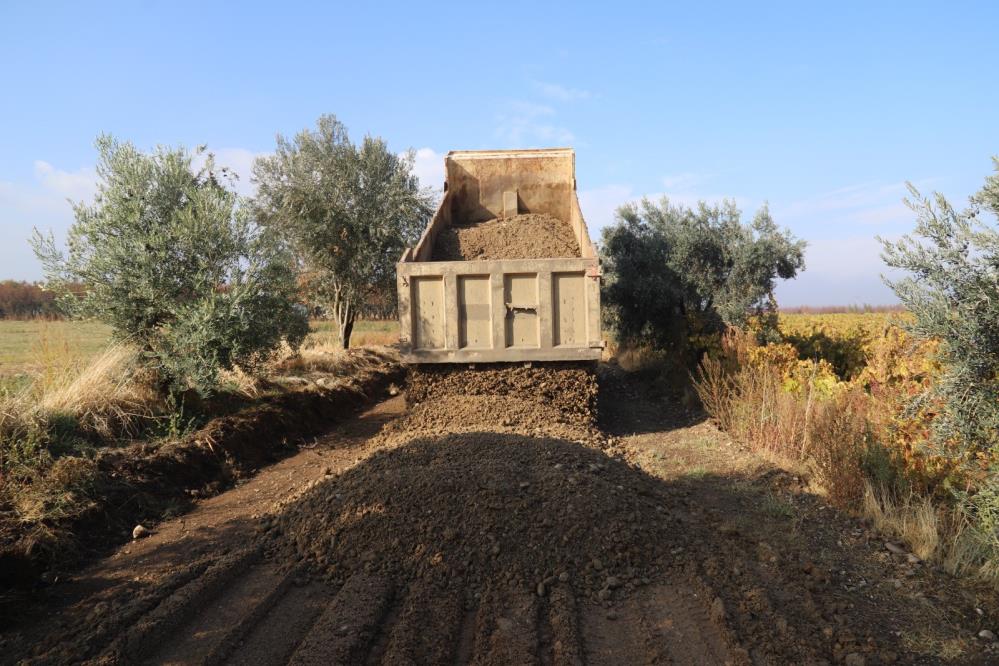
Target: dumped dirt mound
[
  {"x": 485, "y": 511},
  {"x": 529, "y": 236},
  {"x": 488, "y": 413},
  {"x": 568, "y": 388}
]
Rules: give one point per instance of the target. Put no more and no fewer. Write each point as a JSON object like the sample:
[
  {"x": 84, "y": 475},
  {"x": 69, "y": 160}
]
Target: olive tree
[
  {"x": 169, "y": 258},
  {"x": 952, "y": 291},
  {"x": 349, "y": 211},
  {"x": 675, "y": 272}
]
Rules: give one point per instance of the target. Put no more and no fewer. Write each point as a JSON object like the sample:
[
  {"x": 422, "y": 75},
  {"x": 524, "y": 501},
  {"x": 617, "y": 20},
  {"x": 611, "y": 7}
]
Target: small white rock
[{"x": 986, "y": 635}]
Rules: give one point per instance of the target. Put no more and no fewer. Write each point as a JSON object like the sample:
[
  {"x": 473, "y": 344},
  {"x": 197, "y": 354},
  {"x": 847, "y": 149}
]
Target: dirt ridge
[{"x": 139, "y": 482}]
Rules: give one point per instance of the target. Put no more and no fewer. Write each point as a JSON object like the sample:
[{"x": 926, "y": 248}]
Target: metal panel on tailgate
[
  {"x": 520, "y": 298},
  {"x": 474, "y": 312},
  {"x": 428, "y": 312},
  {"x": 569, "y": 303}
]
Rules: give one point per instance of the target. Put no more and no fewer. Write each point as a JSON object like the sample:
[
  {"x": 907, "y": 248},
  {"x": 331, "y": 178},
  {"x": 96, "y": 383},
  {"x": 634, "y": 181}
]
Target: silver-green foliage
[
  {"x": 952, "y": 291},
  {"x": 675, "y": 271},
  {"x": 167, "y": 256},
  {"x": 349, "y": 210}
]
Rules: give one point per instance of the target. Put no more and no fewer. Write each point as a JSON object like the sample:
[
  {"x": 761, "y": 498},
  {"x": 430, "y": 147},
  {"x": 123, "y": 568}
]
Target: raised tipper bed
[{"x": 508, "y": 310}]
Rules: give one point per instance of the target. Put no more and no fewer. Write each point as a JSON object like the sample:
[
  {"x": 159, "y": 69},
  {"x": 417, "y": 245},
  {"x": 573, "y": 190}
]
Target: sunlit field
[{"x": 29, "y": 349}]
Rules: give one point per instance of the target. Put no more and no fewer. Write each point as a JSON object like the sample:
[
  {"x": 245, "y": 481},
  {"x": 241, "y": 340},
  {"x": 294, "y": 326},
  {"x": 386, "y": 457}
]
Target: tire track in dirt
[
  {"x": 218, "y": 624},
  {"x": 345, "y": 631},
  {"x": 136, "y": 642},
  {"x": 563, "y": 618},
  {"x": 507, "y": 630},
  {"x": 278, "y": 633},
  {"x": 427, "y": 628}
]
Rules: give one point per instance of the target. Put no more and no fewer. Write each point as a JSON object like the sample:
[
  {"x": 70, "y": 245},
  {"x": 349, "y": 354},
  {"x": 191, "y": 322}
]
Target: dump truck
[{"x": 505, "y": 310}]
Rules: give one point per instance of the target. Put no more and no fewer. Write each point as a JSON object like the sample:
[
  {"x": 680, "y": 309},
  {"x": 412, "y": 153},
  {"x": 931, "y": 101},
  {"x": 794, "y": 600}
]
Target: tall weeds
[
  {"x": 857, "y": 439},
  {"x": 69, "y": 405}
]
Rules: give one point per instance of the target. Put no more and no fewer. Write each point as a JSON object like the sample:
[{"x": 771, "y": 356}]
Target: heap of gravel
[
  {"x": 483, "y": 511},
  {"x": 528, "y": 236},
  {"x": 569, "y": 388}
]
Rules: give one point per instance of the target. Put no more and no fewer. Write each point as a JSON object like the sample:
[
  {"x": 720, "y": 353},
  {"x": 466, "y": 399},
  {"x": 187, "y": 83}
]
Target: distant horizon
[
  {"x": 839, "y": 308},
  {"x": 824, "y": 114}
]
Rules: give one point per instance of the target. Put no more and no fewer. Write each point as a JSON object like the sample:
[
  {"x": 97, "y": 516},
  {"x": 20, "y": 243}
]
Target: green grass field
[{"x": 29, "y": 347}]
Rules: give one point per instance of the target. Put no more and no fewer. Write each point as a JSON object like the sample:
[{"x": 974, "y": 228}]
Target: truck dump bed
[{"x": 502, "y": 310}]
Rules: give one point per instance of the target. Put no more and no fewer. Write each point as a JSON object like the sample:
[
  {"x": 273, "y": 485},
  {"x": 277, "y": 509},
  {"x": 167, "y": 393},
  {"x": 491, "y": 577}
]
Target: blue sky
[{"x": 823, "y": 111}]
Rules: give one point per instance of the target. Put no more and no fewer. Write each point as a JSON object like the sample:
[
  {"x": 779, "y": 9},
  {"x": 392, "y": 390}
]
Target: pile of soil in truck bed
[{"x": 528, "y": 236}]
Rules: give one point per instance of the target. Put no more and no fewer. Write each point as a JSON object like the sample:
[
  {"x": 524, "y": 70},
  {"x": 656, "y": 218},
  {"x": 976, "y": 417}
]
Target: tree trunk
[
  {"x": 344, "y": 312},
  {"x": 346, "y": 328}
]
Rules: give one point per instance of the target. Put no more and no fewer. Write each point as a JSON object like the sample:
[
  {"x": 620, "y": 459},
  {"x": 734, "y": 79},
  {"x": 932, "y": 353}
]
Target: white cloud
[
  {"x": 871, "y": 204},
  {"x": 843, "y": 257},
  {"x": 839, "y": 271},
  {"x": 428, "y": 166},
  {"x": 75, "y": 185},
  {"x": 684, "y": 182},
  {"x": 688, "y": 189},
  {"x": 523, "y": 123},
  {"x": 560, "y": 93},
  {"x": 43, "y": 202},
  {"x": 598, "y": 205}
]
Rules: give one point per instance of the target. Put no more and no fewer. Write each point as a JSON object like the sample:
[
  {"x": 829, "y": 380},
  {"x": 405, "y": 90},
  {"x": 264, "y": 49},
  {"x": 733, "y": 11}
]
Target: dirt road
[{"x": 744, "y": 564}]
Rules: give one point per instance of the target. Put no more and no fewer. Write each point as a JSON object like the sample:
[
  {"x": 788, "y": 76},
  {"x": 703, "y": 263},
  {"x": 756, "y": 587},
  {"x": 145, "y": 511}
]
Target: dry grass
[
  {"x": 788, "y": 411},
  {"x": 367, "y": 333},
  {"x": 796, "y": 413},
  {"x": 54, "y": 420},
  {"x": 934, "y": 532},
  {"x": 325, "y": 357},
  {"x": 49, "y": 427},
  {"x": 912, "y": 518},
  {"x": 31, "y": 347},
  {"x": 106, "y": 397}
]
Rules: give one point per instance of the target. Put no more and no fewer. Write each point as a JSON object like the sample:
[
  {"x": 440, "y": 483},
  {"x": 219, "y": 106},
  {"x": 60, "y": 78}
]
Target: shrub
[
  {"x": 676, "y": 276},
  {"x": 169, "y": 258},
  {"x": 952, "y": 292},
  {"x": 795, "y": 410}
]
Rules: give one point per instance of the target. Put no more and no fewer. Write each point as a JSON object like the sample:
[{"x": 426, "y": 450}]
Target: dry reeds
[
  {"x": 940, "y": 533},
  {"x": 788, "y": 410},
  {"x": 797, "y": 412},
  {"x": 108, "y": 397}
]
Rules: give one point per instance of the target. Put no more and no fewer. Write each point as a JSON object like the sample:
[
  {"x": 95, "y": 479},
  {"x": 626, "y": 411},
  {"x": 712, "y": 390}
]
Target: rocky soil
[
  {"x": 570, "y": 389},
  {"x": 479, "y": 528},
  {"x": 528, "y": 236},
  {"x": 485, "y": 512}
]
